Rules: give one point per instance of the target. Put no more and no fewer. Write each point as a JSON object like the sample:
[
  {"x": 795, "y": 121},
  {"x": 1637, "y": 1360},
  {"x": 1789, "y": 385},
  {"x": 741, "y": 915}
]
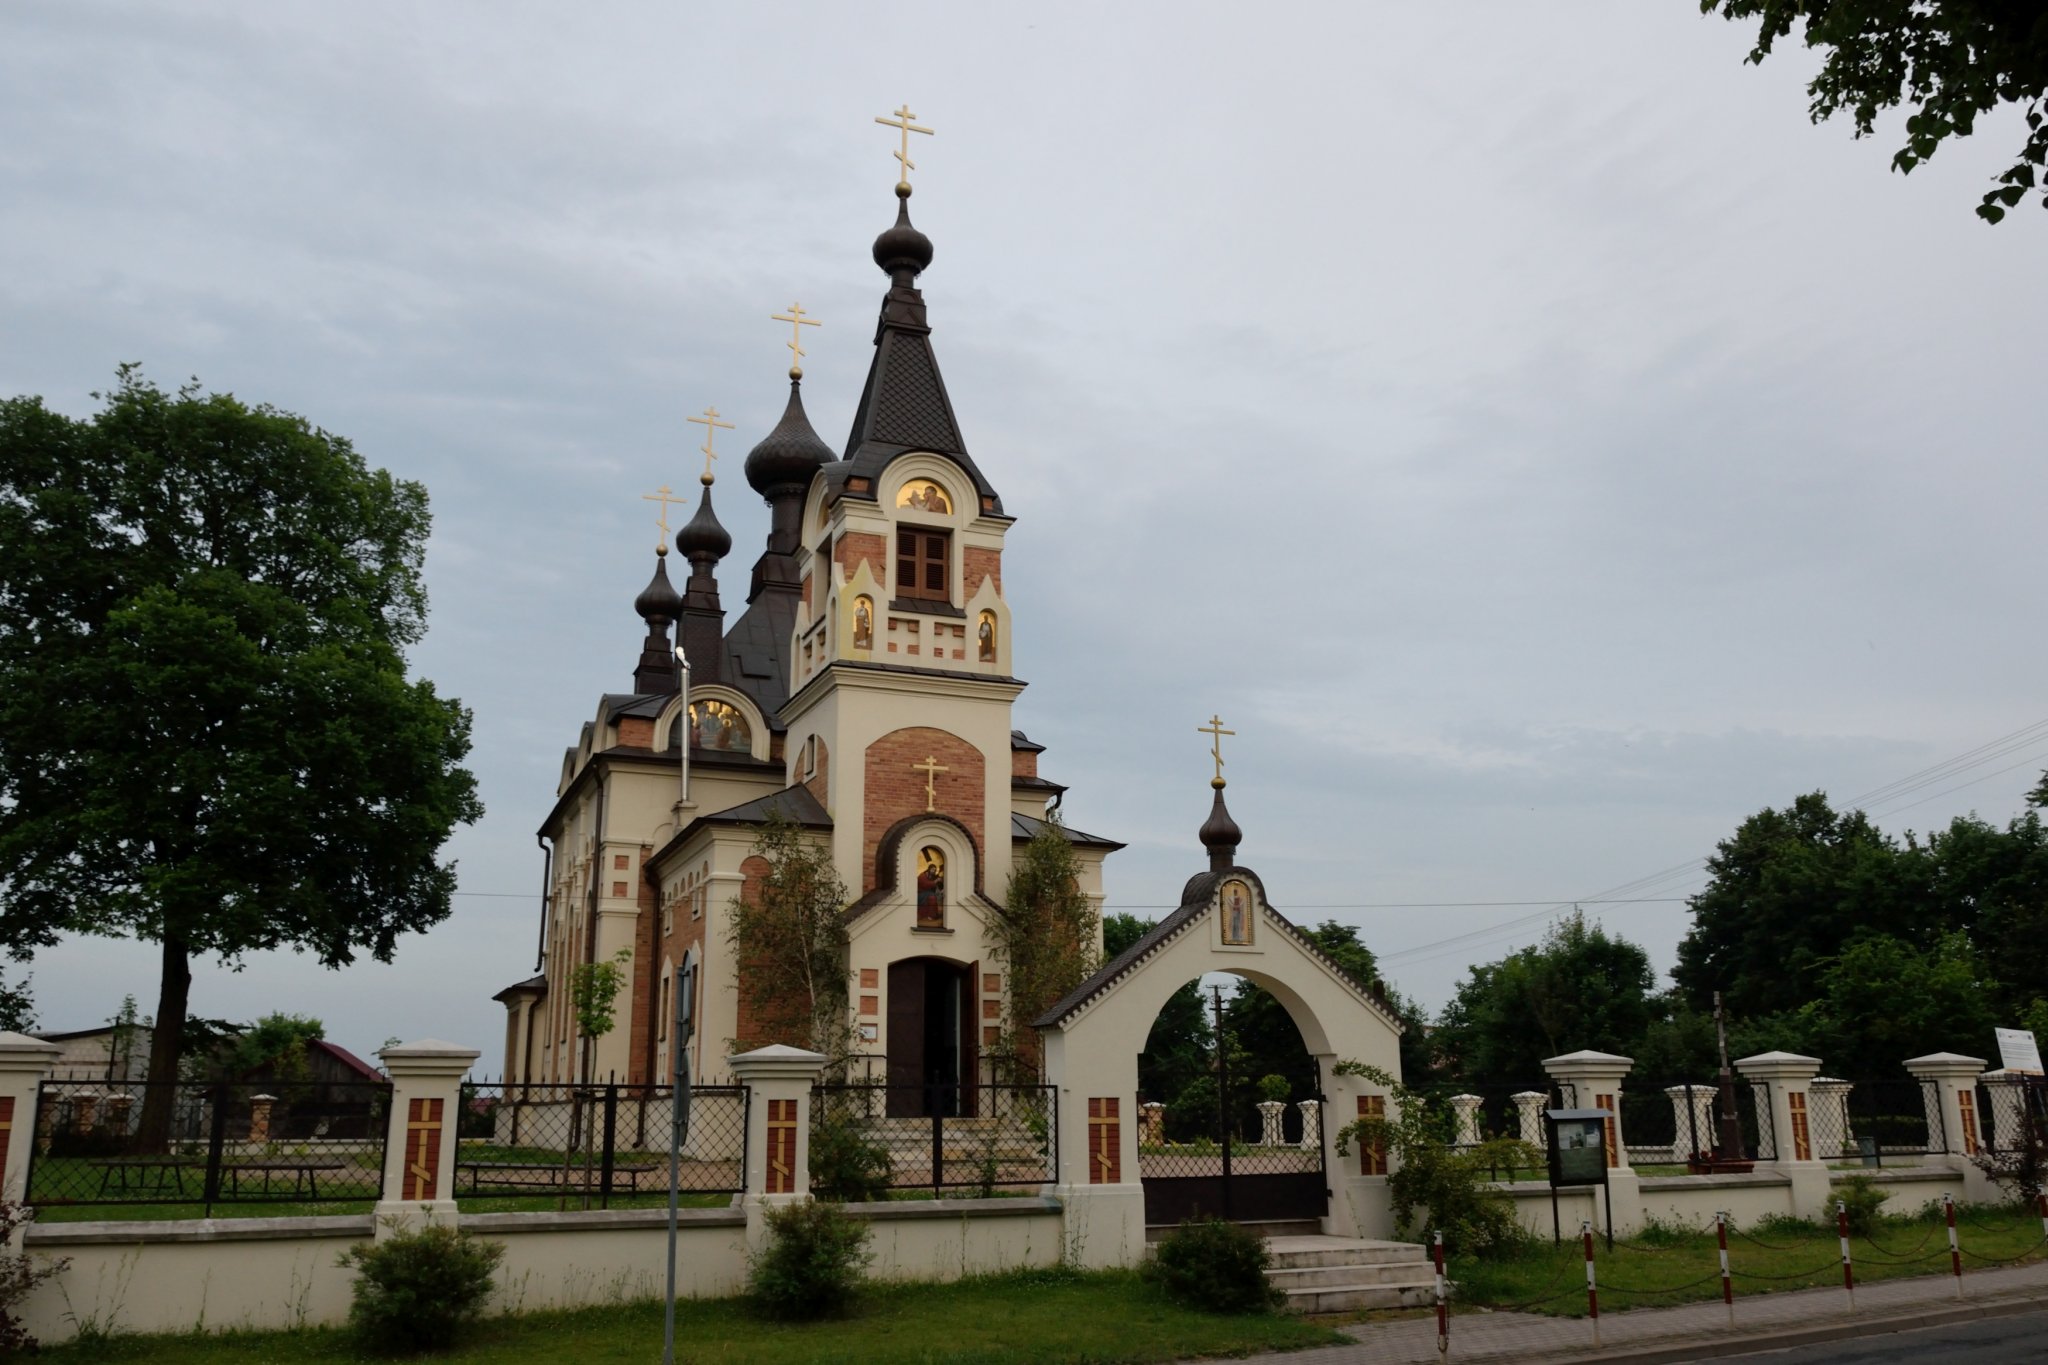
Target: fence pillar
[
  {"x": 1466, "y": 1109},
  {"x": 420, "y": 1141},
  {"x": 1529, "y": 1106},
  {"x": 24, "y": 1062},
  {"x": 1786, "y": 1077},
  {"x": 1152, "y": 1118},
  {"x": 1592, "y": 1080},
  {"x": 1831, "y": 1116},
  {"x": 1311, "y": 1125},
  {"x": 1949, "y": 1087},
  {"x": 778, "y": 1080},
  {"x": 1269, "y": 1122},
  {"x": 1692, "y": 1119}
]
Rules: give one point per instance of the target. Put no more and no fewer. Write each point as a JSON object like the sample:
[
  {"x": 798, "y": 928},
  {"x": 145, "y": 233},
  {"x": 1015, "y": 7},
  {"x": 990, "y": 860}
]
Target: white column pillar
[
  {"x": 1952, "y": 1117},
  {"x": 1466, "y": 1109},
  {"x": 1311, "y": 1125},
  {"x": 420, "y": 1142},
  {"x": 1831, "y": 1118},
  {"x": 1269, "y": 1122},
  {"x": 1529, "y": 1107},
  {"x": 778, "y": 1080},
  {"x": 1785, "y": 1076},
  {"x": 1692, "y": 1119},
  {"x": 24, "y": 1062},
  {"x": 1594, "y": 1082}
]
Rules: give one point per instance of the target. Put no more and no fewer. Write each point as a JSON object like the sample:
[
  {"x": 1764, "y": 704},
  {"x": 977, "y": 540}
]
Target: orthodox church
[{"x": 863, "y": 695}]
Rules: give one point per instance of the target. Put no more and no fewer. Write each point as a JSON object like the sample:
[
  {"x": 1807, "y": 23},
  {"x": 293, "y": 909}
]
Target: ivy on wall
[{"x": 1047, "y": 941}]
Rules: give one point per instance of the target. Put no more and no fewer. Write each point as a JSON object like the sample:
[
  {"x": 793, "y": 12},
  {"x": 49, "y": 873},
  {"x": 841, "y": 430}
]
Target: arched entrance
[
  {"x": 1237, "y": 1134},
  {"x": 933, "y": 1054}
]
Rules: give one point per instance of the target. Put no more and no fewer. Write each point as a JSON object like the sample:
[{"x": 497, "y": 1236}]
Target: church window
[
  {"x": 718, "y": 726},
  {"x": 931, "y": 888},
  {"x": 922, "y": 562},
  {"x": 925, "y": 496}
]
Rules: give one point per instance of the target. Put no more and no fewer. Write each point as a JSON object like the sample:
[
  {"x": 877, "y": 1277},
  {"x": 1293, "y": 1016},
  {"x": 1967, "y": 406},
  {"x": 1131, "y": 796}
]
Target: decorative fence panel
[
  {"x": 2010, "y": 1107},
  {"x": 1478, "y": 1114},
  {"x": 600, "y": 1146},
  {"x": 1871, "y": 1121},
  {"x": 208, "y": 1144},
  {"x": 869, "y": 1139}
]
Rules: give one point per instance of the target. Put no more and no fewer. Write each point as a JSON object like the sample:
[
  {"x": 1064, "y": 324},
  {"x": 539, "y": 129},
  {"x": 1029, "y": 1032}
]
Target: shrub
[
  {"x": 19, "y": 1273},
  {"x": 1274, "y": 1087},
  {"x": 1863, "y": 1200},
  {"x": 812, "y": 1265},
  {"x": 418, "y": 1290},
  {"x": 1214, "y": 1265},
  {"x": 846, "y": 1163}
]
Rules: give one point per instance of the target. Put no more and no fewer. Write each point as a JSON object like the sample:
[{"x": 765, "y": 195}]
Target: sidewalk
[{"x": 1692, "y": 1331}]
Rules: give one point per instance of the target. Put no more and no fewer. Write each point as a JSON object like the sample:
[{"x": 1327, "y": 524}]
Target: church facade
[{"x": 863, "y": 695}]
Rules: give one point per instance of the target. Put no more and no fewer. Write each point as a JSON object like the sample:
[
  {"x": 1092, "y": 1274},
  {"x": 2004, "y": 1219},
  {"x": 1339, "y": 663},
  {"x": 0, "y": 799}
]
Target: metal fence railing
[
  {"x": 1870, "y": 1121},
  {"x": 868, "y": 1140},
  {"x": 602, "y": 1146},
  {"x": 208, "y": 1144},
  {"x": 2011, "y": 1109}
]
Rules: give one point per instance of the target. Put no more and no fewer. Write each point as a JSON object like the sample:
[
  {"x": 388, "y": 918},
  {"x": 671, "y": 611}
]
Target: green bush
[
  {"x": 1274, "y": 1087},
  {"x": 846, "y": 1163},
  {"x": 812, "y": 1265},
  {"x": 1214, "y": 1265},
  {"x": 1863, "y": 1200},
  {"x": 418, "y": 1290}
]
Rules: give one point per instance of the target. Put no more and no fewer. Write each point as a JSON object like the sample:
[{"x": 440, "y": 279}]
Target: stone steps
[{"x": 1322, "y": 1274}]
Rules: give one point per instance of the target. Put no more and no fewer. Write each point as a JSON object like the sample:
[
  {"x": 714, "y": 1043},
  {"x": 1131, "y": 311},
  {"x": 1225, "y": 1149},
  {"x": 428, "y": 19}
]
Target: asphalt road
[{"x": 2013, "y": 1340}]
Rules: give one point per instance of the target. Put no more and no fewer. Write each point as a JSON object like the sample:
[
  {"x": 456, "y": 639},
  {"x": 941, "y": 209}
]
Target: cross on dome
[
  {"x": 797, "y": 322},
  {"x": 1214, "y": 729},
  {"x": 903, "y": 121},
  {"x": 709, "y": 421},
  {"x": 663, "y": 495}
]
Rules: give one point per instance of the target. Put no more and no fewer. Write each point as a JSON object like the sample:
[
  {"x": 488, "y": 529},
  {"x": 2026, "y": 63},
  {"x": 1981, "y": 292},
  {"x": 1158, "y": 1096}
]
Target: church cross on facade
[
  {"x": 709, "y": 421},
  {"x": 903, "y": 121},
  {"x": 797, "y": 322},
  {"x": 931, "y": 768},
  {"x": 663, "y": 495},
  {"x": 1214, "y": 729}
]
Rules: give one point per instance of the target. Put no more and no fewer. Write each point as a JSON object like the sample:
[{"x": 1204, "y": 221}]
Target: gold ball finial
[
  {"x": 705, "y": 478},
  {"x": 1217, "y": 783}
]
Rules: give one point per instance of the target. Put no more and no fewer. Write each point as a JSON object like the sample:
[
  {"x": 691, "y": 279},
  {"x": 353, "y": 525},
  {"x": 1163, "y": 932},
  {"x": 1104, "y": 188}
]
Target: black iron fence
[
  {"x": 1469, "y": 1118},
  {"x": 600, "y": 1146},
  {"x": 1868, "y": 1121},
  {"x": 870, "y": 1139},
  {"x": 1678, "y": 1122},
  {"x": 2011, "y": 1111},
  {"x": 208, "y": 1144}
]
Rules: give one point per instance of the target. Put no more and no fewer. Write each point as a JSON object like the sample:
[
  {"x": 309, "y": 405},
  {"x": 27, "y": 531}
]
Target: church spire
[
  {"x": 703, "y": 541},
  {"x": 658, "y": 605},
  {"x": 1219, "y": 833},
  {"x": 781, "y": 467}
]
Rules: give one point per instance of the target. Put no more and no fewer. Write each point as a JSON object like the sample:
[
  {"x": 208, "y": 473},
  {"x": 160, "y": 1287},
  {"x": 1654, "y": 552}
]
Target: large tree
[
  {"x": 1178, "y": 1047},
  {"x": 207, "y": 735},
  {"x": 1946, "y": 61}
]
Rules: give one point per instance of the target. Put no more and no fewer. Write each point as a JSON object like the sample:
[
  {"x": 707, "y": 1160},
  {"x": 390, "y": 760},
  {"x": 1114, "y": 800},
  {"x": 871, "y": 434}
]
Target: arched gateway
[{"x": 1111, "y": 1173}]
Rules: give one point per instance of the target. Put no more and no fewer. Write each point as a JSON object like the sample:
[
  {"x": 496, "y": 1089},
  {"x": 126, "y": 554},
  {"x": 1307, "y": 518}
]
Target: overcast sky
[{"x": 1539, "y": 443}]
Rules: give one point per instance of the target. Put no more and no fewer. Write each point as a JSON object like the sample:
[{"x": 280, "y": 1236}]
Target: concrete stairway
[{"x": 1344, "y": 1274}]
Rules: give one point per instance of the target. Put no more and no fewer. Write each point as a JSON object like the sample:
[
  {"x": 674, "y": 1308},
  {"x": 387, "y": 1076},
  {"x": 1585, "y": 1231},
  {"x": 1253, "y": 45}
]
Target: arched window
[
  {"x": 922, "y": 495},
  {"x": 717, "y": 726},
  {"x": 931, "y": 888}
]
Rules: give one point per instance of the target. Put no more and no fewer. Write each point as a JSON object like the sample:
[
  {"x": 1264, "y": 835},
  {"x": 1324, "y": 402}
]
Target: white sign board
[{"x": 2017, "y": 1050}]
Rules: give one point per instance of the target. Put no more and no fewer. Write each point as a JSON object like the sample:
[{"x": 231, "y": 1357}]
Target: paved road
[{"x": 1991, "y": 1341}]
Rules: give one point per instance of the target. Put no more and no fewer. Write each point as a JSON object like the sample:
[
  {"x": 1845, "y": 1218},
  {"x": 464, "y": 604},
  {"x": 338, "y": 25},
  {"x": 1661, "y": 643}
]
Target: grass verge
[
  {"x": 1044, "y": 1317},
  {"x": 1667, "y": 1266}
]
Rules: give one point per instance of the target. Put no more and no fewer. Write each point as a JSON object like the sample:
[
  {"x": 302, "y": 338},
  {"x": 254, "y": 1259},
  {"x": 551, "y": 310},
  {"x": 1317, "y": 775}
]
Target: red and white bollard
[
  {"x": 1848, "y": 1275},
  {"x": 1443, "y": 1302},
  {"x": 1727, "y": 1280},
  {"x": 1955, "y": 1250},
  {"x": 1592, "y": 1289}
]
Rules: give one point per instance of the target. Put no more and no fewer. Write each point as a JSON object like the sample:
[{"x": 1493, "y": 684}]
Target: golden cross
[
  {"x": 931, "y": 768},
  {"x": 663, "y": 495},
  {"x": 797, "y": 322},
  {"x": 903, "y": 120},
  {"x": 709, "y": 421},
  {"x": 1215, "y": 730}
]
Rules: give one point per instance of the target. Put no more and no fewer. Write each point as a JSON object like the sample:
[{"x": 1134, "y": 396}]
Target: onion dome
[
  {"x": 902, "y": 247},
  {"x": 659, "y": 601},
  {"x": 1219, "y": 833},
  {"x": 702, "y": 538},
  {"x": 789, "y": 455}
]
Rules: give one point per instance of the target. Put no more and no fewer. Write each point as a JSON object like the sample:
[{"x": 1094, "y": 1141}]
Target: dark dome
[
  {"x": 1220, "y": 833},
  {"x": 791, "y": 453},
  {"x": 703, "y": 537},
  {"x": 659, "y": 601},
  {"x": 903, "y": 247}
]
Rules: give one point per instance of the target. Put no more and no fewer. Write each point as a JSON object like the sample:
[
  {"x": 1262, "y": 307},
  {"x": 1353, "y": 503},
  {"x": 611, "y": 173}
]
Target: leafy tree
[
  {"x": 792, "y": 943},
  {"x": 1177, "y": 1050},
  {"x": 1883, "y": 1000},
  {"x": 1949, "y": 61},
  {"x": 207, "y": 736},
  {"x": 1579, "y": 988},
  {"x": 277, "y": 1043},
  {"x": 17, "y": 1005},
  {"x": 1045, "y": 940},
  {"x": 1265, "y": 1033},
  {"x": 1784, "y": 893},
  {"x": 1994, "y": 883}
]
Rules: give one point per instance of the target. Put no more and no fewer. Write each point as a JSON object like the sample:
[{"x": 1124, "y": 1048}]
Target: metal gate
[{"x": 1231, "y": 1166}]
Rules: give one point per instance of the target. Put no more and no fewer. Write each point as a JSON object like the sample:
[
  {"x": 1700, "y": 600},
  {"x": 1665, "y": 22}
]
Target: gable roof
[{"x": 1027, "y": 827}]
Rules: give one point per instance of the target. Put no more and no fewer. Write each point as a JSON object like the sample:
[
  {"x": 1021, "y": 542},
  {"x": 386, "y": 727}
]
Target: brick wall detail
[
  {"x": 422, "y": 1149},
  {"x": 1105, "y": 1141},
  {"x": 854, "y": 548},
  {"x": 816, "y": 784},
  {"x": 978, "y": 564},
  {"x": 895, "y": 789},
  {"x": 636, "y": 732},
  {"x": 1023, "y": 763}
]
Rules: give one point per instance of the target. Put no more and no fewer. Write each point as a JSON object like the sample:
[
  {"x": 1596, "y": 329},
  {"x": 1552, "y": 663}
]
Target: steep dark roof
[
  {"x": 533, "y": 985},
  {"x": 1019, "y": 741},
  {"x": 1024, "y": 827},
  {"x": 794, "y": 804},
  {"x": 754, "y": 648},
  {"x": 348, "y": 1059}
]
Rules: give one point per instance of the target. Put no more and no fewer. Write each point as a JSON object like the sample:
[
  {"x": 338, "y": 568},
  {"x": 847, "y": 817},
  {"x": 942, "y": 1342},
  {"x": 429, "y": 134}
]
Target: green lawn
[
  {"x": 1029, "y": 1318},
  {"x": 1666, "y": 1267}
]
